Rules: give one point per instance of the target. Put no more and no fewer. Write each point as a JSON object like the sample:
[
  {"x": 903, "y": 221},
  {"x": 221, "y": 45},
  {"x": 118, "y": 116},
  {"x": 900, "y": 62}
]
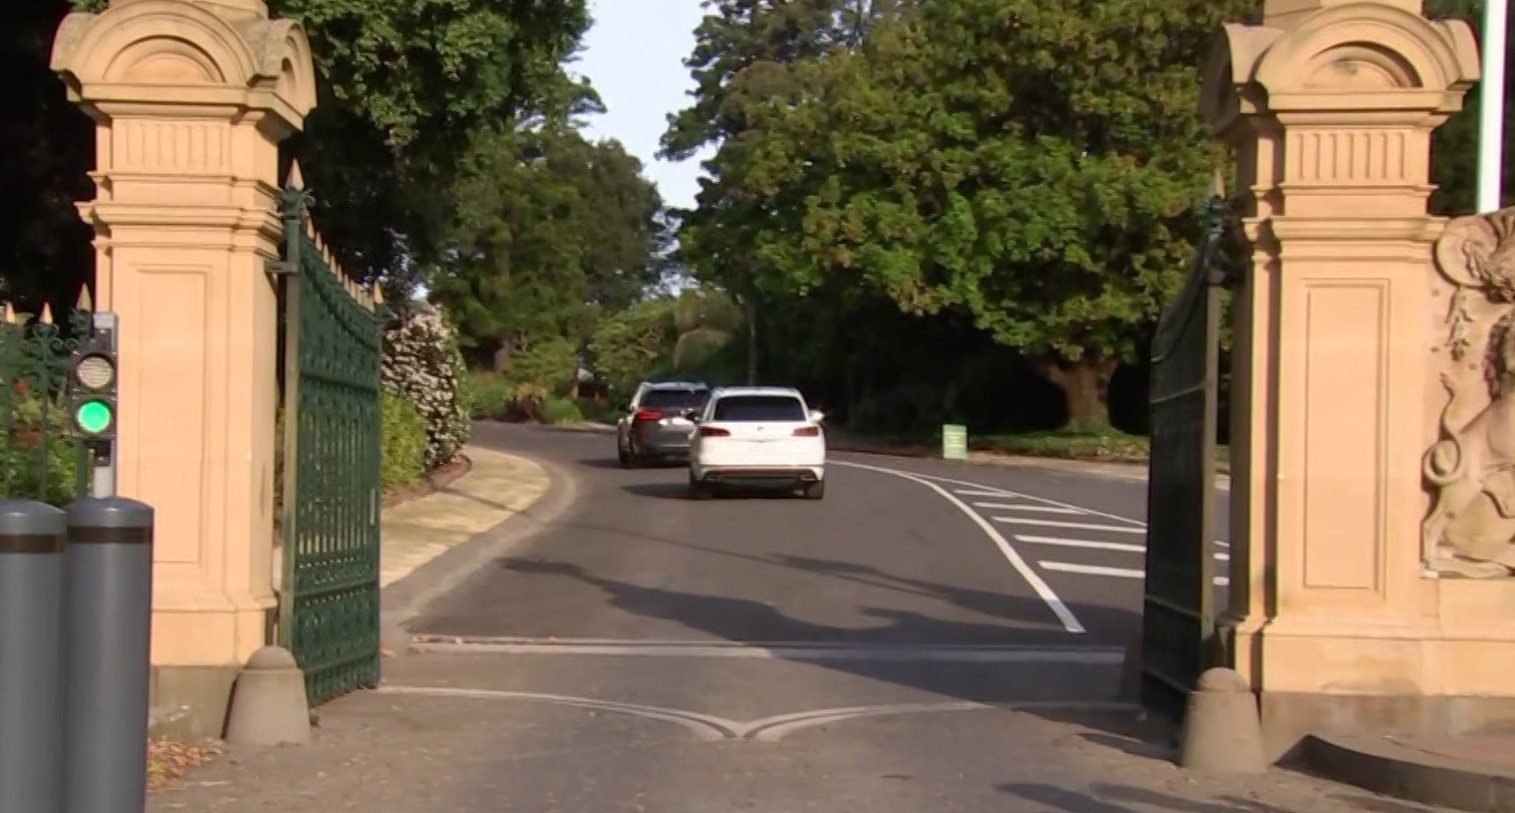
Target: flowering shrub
[{"x": 422, "y": 362}]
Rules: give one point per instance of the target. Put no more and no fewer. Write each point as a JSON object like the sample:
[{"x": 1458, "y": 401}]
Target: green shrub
[
  {"x": 491, "y": 395},
  {"x": 557, "y": 410},
  {"x": 549, "y": 362},
  {"x": 404, "y": 443}
]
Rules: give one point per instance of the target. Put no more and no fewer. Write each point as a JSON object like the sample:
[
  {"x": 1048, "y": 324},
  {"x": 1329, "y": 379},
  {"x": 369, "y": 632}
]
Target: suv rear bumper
[{"x": 799, "y": 475}]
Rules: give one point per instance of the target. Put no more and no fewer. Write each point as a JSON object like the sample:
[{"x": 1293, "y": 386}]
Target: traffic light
[{"x": 92, "y": 387}]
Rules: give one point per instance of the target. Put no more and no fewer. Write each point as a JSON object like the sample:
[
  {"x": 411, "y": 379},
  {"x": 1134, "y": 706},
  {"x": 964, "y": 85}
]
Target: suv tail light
[
  {"x": 714, "y": 432},
  {"x": 808, "y": 432},
  {"x": 648, "y": 415}
]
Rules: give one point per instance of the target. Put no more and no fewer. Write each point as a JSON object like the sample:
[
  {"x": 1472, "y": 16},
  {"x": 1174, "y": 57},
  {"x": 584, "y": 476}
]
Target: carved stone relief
[{"x": 1470, "y": 468}]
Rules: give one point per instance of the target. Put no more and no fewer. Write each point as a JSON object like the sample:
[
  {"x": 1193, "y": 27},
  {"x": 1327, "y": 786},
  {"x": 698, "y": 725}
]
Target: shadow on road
[
  {"x": 680, "y": 491},
  {"x": 1105, "y": 798}
]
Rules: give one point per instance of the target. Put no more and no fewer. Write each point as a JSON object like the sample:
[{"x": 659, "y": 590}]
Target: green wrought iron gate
[
  {"x": 1178, "y": 613},
  {"x": 331, "y": 347}
]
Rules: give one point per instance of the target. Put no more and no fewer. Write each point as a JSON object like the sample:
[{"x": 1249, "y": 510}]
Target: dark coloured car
[{"x": 657, "y": 426}]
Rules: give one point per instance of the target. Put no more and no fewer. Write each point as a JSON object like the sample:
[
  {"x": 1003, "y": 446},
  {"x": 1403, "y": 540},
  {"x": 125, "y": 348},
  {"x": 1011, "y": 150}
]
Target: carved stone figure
[{"x": 1470, "y": 469}]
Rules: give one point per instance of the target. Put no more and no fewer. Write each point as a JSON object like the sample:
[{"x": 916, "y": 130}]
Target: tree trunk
[
  {"x": 1086, "y": 387},
  {"x": 752, "y": 342}
]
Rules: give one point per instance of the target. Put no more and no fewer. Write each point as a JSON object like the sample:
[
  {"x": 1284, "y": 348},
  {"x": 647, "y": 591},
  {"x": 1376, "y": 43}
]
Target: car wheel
[{"x": 816, "y": 490}]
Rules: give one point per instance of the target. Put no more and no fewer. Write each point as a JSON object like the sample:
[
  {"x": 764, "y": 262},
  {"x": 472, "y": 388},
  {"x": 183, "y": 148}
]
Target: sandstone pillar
[
  {"x": 190, "y": 101},
  {"x": 1335, "y": 618}
]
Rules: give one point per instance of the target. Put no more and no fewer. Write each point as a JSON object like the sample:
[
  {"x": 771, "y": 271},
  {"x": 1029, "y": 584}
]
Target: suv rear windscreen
[
  {"x": 750, "y": 408},
  {"x": 674, "y": 399}
]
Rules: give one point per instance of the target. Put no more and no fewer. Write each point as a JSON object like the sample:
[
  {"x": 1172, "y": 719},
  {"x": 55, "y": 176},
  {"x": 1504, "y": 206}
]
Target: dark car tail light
[
  {"x": 649, "y": 415},
  {"x": 714, "y": 432},
  {"x": 808, "y": 432}
]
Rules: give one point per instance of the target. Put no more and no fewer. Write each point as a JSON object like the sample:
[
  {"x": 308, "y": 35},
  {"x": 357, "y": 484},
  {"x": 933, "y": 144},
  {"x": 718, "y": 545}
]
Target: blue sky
[{"x": 634, "y": 56}]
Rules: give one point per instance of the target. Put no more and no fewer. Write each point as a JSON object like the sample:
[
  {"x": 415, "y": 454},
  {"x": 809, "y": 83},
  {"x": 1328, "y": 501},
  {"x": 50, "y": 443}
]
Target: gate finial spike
[
  {"x": 47, "y": 314},
  {"x": 10, "y": 314},
  {"x": 378, "y": 293},
  {"x": 85, "y": 303},
  {"x": 1218, "y": 185},
  {"x": 295, "y": 180}
]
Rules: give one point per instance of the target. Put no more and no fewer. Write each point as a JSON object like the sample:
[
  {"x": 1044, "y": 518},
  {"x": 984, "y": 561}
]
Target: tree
[
  {"x": 1031, "y": 165},
  {"x": 549, "y": 231}
]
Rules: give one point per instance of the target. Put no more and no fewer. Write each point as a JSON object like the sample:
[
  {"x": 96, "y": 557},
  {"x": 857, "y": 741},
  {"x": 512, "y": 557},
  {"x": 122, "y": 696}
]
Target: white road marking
[
  {"x": 710, "y": 728},
  {"x": 791, "y": 651},
  {"x": 1045, "y": 509},
  {"x": 1093, "y": 570},
  {"x": 969, "y": 492},
  {"x": 1048, "y": 597},
  {"x": 999, "y": 492},
  {"x": 1088, "y": 544},
  {"x": 1113, "y": 572},
  {"x": 1082, "y": 526}
]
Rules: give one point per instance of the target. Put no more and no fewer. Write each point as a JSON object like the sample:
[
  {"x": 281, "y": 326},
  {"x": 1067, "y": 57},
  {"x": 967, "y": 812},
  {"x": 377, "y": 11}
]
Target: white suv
[{"x": 757, "y": 436}]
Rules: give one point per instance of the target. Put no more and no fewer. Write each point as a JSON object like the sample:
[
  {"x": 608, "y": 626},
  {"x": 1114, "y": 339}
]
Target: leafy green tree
[
  {"x": 1031, "y": 165},
  {"x": 550, "y": 231}
]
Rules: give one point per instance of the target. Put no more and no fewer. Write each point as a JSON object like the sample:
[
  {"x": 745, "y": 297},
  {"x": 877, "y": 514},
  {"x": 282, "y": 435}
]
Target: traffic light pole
[{"x": 103, "y": 481}]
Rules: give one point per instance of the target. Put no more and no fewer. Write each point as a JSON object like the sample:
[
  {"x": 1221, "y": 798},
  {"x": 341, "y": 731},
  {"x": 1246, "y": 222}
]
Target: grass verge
[{"x": 1112, "y": 446}]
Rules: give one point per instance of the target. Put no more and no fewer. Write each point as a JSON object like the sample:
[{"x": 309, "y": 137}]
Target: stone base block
[
  {"x": 190, "y": 702},
  {"x": 1289, "y": 717}
]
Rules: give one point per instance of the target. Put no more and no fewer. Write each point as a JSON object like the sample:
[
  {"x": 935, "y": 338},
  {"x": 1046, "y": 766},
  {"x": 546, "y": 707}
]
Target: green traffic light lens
[{"x": 93, "y": 417}]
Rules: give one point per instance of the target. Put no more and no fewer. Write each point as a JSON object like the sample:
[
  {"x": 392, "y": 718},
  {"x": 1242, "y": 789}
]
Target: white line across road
[
  {"x": 1081, "y": 526},
  {"x": 1087, "y": 544},
  {"x": 1043, "y": 509}
]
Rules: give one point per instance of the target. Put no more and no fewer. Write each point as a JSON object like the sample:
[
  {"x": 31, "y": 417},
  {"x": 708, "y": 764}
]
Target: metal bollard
[
  {"x": 108, "y": 621},
  {"x": 31, "y": 656}
]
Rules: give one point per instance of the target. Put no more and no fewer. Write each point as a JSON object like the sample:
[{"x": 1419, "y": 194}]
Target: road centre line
[
  {"x": 968, "y": 492},
  {"x": 1039, "y": 585}
]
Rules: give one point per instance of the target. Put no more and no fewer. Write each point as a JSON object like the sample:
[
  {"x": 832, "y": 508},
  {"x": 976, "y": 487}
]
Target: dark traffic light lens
[{"x": 95, "y": 372}]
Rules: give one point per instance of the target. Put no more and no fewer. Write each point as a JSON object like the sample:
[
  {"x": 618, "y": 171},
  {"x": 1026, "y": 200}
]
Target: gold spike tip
[
  {"x": 295, "y": 179},
  {"x": 85, "y": 303},
  {"x": 378, "y": 293},
  {"x": 1218, "y": 184},
  {"x": 10, "y": 314},
  {"x": 47, "y": 314}
]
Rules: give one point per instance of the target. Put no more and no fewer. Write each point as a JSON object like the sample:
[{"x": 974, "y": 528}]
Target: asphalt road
[
  {"x": 901, "y": 551},
  {"x": 921, "y": 640}
]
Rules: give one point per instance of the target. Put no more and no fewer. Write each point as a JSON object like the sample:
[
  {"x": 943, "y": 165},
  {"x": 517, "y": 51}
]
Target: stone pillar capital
[{"x": 206, "y": 58}]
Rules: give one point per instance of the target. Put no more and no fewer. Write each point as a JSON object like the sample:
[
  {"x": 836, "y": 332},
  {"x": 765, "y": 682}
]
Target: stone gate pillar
[
  {"x": 1330, "y": 105},
  {"x": 190, "y": 101}
]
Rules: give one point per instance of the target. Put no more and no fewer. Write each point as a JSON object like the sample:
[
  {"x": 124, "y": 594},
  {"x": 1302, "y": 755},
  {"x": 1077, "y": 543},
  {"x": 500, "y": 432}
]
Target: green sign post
[{"x": 954, "y": 442}]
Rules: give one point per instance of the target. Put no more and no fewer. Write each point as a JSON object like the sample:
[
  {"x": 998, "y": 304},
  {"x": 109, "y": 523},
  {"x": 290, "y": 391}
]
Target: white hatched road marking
[
  {"x": 1082, "y": 526},
  {"x": 1045, "y": 505},
  {"x": 1088, "y": 544},
  {"x": 1045, "y": 509},
  {"x": 1038, "y": 584}
]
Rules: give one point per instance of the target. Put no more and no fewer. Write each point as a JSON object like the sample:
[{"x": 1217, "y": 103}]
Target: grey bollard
[
  {"x": 269, "y": 705},
  {"x": 1222, "y": 732},
  {"x": 108, "y": 621},
  {"x": 31, "y": 656}
]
